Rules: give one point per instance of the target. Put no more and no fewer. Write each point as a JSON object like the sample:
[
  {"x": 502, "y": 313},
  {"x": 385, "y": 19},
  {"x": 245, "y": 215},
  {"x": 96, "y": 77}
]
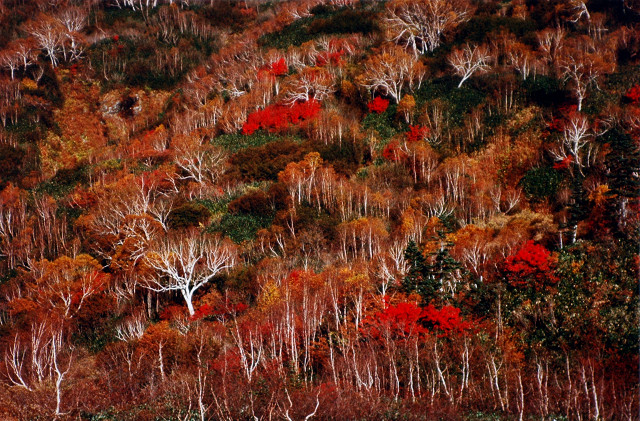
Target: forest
[{"x": 319, "y": 210}]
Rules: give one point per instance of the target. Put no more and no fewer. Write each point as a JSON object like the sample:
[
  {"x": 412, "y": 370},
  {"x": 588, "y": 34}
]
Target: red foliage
[
  {"x": 202, "y": 312},
  {"x": 417, "y": 133},
  {"x": 171, "y": 312},
  {"x": 273, "y": 69},
  {"x": 378, "y": 105},
  {"x": 407, "y": 320},
  {"x": 116, "y": 38},
  {"x": 223, "y": 309},
  {"x": 392, "y": 152},
  {"x": 531, "y": 266},
  {"x": 247, "y": 12},
  {"x": 334, "y": 58},
  {"x": 401, "y": 321},
  {"x": 446, "y": 320},
  {"x": 228, "y": 362},
  {"x": 557, "y": 124},
  {"x": 278, "y": 117},
  {"x": 633, "y": 95},
  {"x": 279, "y": 68},
  {"x": 564, "y": 164}
]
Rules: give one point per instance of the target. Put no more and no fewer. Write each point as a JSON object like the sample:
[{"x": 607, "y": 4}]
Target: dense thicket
[{"x": 319, "y": 209}]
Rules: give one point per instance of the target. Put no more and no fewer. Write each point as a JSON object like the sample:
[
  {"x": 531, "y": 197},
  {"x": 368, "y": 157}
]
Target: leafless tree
[
  {"x": 391, "y": 71},
  {"x": 186, "y": 262},
  {"x": 421, "y": 24},
  {"x": 576, "y": 142},
  {"x": 49, "y": 33},
  {"x": 469, "y": 60}
]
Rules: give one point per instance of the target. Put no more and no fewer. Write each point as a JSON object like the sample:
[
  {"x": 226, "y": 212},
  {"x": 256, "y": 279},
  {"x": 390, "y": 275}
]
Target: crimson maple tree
[
  {"x": 378, "y": 105},
  {"x": 278, "y": 117},
  {"x": 530, "y": 267}
]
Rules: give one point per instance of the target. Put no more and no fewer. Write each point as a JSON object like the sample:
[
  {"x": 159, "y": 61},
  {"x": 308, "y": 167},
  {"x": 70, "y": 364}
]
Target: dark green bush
[
  {"x": 223, "y": 14},
  {"x": 346, "y": 158},
  {"x": 49, "y": 86},
  {"x": 235, "y": 142},
  {"x": 241, "y": 227},
  {"x": 479, "y": 28},
  {"x": 64, "y": 181},
  {"x": 460, "y": 101},
  {"x": 540, "y": 183},
  {"x": 385, "y": 123},
  {"x": 607, "y": 279},
  {"x": 95, "y": 323},
  {"x": 189, "y": 215},
  {"x": 143, "y": 61},
  {"x": 325, "y": 21},
  {"x": 348, "y": 21},
  {"x": 11, "y": 159}
]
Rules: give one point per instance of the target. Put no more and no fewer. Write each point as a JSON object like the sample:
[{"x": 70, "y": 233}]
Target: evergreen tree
[
  {"x": 417, "y": 267},
  {"x": 425, "y": 278},
  {"x": 444, "y": 269},
  {"x": 623, "y": 174}
]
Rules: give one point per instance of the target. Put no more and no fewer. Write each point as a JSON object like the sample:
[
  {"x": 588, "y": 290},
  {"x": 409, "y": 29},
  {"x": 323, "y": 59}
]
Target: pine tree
[
  {"x": 417, "y": 267},
  {"x": 444, "y": 269},
  {"x": 427, "y": 279},
  {"x": 623, "y": 173}
]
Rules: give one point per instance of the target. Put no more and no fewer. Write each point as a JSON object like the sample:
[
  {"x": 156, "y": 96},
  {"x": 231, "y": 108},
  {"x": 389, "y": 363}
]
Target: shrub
[
  {"x": 256, "y": 202},
  {"x": 10, "y": 164},
  {"x": 345, "y": 157},
  {"x": 480, "y": 28},
  {"x": 378, "y": 105},
  {"x": 326, "y": 21},
  {"x": 189, "y": 215},
  {"x": 64, "y": 181},
  {"x": 540, "y": 183},
  {"x": 383, "y": 123},
  {"x": 278, "y": 117},
  {"x": 460, "y": 101},
  {"x": 235, "y": 142},
  {"x": 545, "y": 91},
  {"x": 264, "y": 162},
  {"x": 417, "y": 133},
  {"x": 530, "y": 267},
  {"x": 241, "y": 227}
]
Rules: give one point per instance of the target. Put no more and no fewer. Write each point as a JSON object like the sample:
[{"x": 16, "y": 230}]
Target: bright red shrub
[
  {"x": 406, "y": 320},
  {"x": 224, "y": 309},
  {"x": 401, "y": 321},
  {"x": 633, "y": 95},
  {"x": 279, "y": 68},
  {"x": 531, "y": 266},
  {"x": 171, "y": 312},
  {"x": 446, "y": 320},
  {"x": 202, "y": 312},
  {"x": 278, "y": 117},
  {"x": 378, "y": 105},
  {"x": 557, "y": 124},
  {"x": 417, "y": 133}
]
